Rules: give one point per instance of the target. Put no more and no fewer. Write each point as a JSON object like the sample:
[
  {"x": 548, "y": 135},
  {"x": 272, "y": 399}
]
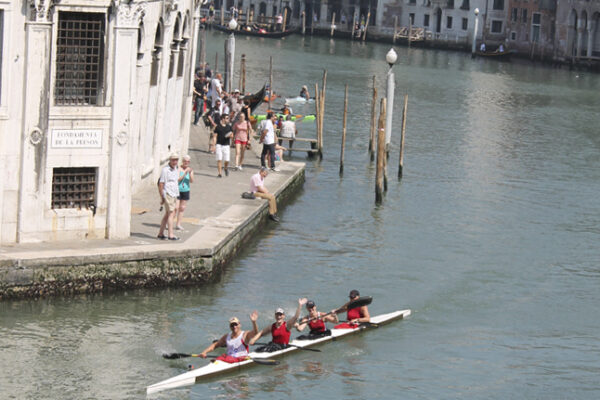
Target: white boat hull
[{"x": 220, "y": 367}]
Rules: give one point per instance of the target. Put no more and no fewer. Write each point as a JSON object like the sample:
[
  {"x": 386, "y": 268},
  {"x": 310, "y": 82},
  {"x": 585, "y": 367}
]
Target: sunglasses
[
  {"x": 233, "y": 325},
  {"x": 278, "y": 313}
]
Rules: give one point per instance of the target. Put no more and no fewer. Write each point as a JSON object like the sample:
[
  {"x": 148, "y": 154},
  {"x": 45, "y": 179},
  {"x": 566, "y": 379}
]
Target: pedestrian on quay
[
  {"x": 288, "y": 131},
  {"x": 222, "y": 142},
  {"x": 267, "y": 138},
  {"x": 186, "y": 176},
  {"x": 216, "y": 90},
  {"x": 200, "y": 88},
  {"x": 241, "y": 133},
  {"x": 236, "y": 341},
  {"x": 280, "y": 330},
  {"x": 258, "y": 188},
  {"x": 168, "y": 189}
]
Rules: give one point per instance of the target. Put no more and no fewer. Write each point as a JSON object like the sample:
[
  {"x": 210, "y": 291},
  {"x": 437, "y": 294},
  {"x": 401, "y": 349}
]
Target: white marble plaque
[{"x": 76, "y": 138}]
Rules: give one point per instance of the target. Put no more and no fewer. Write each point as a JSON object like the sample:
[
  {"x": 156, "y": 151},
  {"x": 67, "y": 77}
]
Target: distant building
[
  {"x": 578, "y": 30},
  {"x": 94, "y": 95},
  {"x": 531, "y": 27}
]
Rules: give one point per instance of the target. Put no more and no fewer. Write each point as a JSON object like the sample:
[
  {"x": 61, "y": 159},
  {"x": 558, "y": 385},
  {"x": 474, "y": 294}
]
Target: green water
[{"x": 491, "y": 238}]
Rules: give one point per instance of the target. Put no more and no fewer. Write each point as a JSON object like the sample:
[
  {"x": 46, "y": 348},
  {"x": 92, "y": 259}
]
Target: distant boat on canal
[
  {"x": 496, "y": 55},
  {"x": 250, "y": 31}
]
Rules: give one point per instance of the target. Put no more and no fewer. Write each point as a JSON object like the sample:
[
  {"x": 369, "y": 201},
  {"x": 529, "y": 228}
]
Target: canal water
[{"x": 491, "y": 238}]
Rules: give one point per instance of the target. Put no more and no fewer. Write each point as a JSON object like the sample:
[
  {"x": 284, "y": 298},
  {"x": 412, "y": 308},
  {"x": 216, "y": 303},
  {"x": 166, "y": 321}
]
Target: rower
[
  {"x": 304, "y": 93},
  {"x": 316, "y": 322},
  {"x": 356, "y": 316},
  {"x": 280, "y": 330},
  {"x": 235, "y": 341}
]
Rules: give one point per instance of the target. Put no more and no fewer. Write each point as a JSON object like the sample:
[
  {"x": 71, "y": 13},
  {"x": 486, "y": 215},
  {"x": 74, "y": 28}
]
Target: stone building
[
  {"x": 577, "y": 30},
  {"x": 531, "y": 27},
  {"x": 94, "y": 95}
]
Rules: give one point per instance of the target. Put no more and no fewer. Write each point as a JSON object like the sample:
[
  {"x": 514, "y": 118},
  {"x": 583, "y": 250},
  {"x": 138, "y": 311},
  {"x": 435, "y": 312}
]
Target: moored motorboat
[
  {"x": 298, "y": 100},
  {"x": 220, "y": 367}
]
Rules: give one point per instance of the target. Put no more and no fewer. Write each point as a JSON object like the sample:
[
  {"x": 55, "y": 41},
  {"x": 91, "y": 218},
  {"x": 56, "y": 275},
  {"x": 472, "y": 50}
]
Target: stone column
[
  {"x": 579, "y": 36},
  {"x": 124, "y": 72},
  {"x": 590, "y": 40},
  {"x": 161, "y": 151},
  {"x": 36, "y": 98}
]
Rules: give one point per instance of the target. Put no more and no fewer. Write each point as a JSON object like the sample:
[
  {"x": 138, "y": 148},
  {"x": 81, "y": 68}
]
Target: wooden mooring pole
[
  {"x": 332, "y": 24},
  {"x": 344, "y": 131},
  {"x": 242, "y": 84},
  {"x": 379, "y": 174},
  {"x": 322, "y": 112},
  {"x": 216, "y": 62},
  {"x": 270, "y": 80},
  {"x": 395, "y": 29},
  {"x": 401, "y": 162},
  {"x": 303, "y": 23},
  {"x": 318, "y": 115},
  {"x": 366, "y": 25},
  {"x": 284, "y": 20},
  {"x": 373, "y": 122}
]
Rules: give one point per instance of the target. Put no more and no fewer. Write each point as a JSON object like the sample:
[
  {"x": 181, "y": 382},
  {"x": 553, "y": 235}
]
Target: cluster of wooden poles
[{"x": 377, "y": 144}]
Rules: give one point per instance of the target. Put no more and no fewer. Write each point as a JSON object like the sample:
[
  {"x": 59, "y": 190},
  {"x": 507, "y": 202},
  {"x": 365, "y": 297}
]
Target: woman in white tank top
[{"x": 235, "y": 341}]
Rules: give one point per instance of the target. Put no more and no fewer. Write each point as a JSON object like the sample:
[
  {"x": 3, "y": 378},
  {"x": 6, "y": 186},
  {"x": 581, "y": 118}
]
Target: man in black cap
[{"x": 355, "y": 316}]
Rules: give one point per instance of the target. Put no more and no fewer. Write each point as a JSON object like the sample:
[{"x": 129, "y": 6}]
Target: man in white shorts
[{"x": 222, "y": 139}]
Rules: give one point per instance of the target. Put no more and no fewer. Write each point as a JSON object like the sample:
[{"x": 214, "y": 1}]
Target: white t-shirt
[
  {"x": 288, "y": 129},
  {"x": 270, "y": 135},
  {"x": 170, "y": 177},
  {"x": 215, "y": 90}
]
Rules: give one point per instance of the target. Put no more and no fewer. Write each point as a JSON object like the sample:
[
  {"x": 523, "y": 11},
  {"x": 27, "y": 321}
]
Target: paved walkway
[{"x": 214, "y": 213}]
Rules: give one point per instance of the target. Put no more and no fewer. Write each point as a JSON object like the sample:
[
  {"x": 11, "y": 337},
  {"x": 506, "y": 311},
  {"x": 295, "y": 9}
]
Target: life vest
[
  {"x": 280, "y": 335},
  {"x": 236, "y": 346},
  {"x": 317, "y": 325},
  {"x": 354, "y": 314}
]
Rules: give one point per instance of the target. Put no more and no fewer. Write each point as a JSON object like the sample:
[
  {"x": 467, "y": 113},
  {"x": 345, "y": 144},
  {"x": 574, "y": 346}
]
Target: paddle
[
  {"x": 174, "y": 356},
  {"x": 361, "y": 301},
  {"x": 291, "y": 345}
]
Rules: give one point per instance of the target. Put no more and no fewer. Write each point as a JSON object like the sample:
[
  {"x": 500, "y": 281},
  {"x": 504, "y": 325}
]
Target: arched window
[{"x": 156, "y": 55}]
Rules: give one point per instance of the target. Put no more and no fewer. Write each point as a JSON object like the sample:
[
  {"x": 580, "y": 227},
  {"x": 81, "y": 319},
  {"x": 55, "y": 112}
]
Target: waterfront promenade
[{"x": 216, "y": 222}]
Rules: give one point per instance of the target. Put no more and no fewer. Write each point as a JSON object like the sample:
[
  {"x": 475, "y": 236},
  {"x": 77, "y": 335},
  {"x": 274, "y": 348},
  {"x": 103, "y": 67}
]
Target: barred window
[
  {"x": 79, "y": 59},
  {"x": 73, "y": 187}
]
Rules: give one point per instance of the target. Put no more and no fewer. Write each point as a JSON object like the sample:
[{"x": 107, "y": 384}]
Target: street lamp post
[
  {"x": 473, "y": 48},
  {"x": 230, "y": 53},
  {"x": 391, "y": 58}
]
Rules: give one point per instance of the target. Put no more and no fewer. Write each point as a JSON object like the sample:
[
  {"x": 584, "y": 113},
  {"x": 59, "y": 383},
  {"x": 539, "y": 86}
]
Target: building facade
[
  {"x": 531, "y": 27},
  {"x": 94, "y": 96},
  {"x": 577, "y": 30}
]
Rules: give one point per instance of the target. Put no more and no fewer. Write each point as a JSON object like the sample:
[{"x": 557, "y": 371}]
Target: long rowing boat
[{"x": 220, "y": 367}]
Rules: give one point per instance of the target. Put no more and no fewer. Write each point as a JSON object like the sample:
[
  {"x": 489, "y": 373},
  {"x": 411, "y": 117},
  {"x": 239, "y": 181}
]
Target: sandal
[
  {"x": 161, "y": 237},
  {"x": 174, "y": 238}
]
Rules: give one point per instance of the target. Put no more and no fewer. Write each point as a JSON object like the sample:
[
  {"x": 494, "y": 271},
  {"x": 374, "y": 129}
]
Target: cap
[
  {"x": 233, "y": 320},
  {"x": 174, "y": 156},
  {"x": 279, "y": 311},
  {"x": 354, "y": 293},
  {"x": 236, "y": 91},
  {"x": 310, "y": 304}
]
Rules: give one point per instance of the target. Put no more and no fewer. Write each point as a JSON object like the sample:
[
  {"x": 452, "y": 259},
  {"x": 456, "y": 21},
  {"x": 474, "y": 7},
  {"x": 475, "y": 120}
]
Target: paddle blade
[
  {"x": 174, "y": 356},
  {"x": 263, "y": 361},
  {"x": 361, "y": 301}
]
